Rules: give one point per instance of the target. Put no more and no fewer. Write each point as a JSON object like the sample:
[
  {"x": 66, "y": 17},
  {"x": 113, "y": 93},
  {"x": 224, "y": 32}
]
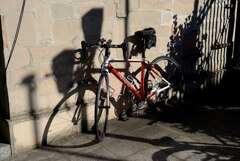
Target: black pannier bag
[{"x": 149, "y": 35}]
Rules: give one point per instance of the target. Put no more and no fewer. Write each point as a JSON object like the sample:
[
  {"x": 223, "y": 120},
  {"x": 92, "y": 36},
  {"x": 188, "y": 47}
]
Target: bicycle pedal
[
  {"x": 158, "y": 109},
  {"x": 123, "y": 118}
]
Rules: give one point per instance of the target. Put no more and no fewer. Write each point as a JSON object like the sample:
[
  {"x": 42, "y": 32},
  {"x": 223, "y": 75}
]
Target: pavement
[
  {"x": 207, "y": 129},
  {"x": 186, "y": 133}
]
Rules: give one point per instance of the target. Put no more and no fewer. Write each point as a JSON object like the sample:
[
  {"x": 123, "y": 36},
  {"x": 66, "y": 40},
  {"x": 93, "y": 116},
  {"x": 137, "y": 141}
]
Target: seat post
[{"x": 144, "y": 47}]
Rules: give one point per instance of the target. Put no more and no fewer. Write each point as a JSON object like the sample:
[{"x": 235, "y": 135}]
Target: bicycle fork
[{"x": 105, "y": 73}]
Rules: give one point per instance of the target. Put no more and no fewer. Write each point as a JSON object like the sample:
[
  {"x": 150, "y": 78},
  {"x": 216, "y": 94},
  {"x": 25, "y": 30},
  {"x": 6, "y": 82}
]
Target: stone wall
[{"x": 45, "y": 66}]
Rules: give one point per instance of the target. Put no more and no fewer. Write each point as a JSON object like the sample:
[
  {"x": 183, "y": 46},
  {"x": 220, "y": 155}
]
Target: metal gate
[
  {"x": 216, "y": 33},
  {"x": 204, "y": 42},
  {"x": 217, "y": 22}
]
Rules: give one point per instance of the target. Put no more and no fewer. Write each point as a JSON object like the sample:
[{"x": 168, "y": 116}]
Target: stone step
[{"x": 5, "y": 151}]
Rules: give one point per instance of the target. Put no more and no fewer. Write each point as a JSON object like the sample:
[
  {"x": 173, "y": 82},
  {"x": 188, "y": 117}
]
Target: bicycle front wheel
[
  {"x": 102, "y": 106},
  {"x": 169, "y": 87}
]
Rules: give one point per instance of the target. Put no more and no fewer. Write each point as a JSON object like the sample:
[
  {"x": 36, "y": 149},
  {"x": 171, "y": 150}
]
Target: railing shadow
[{"x": 202, "y": 45}]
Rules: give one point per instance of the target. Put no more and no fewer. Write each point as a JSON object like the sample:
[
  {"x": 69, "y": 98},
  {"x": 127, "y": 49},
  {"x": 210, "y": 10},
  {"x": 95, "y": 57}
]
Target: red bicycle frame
[{"x": 141, "y": 95}]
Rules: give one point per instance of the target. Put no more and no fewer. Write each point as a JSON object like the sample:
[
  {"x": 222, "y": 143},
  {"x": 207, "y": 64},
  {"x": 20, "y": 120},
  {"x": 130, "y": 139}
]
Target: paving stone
[
  {"x": 5, "y": 151},
  {"x": 98, "y": 154},
  {"x": 39, "y": 155},
  {"x": 224, "y": 152},
  {"x": 125, "y": 145},
  {"x": 154, "y": 154}
]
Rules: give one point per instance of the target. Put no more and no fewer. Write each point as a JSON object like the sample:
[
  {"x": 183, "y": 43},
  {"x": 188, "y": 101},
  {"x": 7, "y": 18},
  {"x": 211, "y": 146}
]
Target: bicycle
[{"x": 161, "y": 80}]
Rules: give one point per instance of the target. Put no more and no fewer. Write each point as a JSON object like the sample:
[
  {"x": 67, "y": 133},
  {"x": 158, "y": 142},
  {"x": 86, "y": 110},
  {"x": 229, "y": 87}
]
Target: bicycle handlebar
[{"x": 103, "y": 44}]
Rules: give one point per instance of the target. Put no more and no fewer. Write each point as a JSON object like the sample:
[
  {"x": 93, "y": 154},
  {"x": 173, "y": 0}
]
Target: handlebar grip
[{"x": 84, "y": 46}]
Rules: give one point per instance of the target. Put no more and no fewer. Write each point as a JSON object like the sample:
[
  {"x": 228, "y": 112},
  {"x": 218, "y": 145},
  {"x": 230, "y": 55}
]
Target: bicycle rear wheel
[
  {"x": 170, "y": 87},
  {"x": 102, "y": 106}
]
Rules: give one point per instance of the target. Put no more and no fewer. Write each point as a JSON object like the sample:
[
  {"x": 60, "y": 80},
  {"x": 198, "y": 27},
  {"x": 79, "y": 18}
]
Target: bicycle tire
[
  {"x": 102, "y": 106},
  {"x": 171, "y": 71}
]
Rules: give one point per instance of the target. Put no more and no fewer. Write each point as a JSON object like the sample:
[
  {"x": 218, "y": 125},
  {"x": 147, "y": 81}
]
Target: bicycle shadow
[
  {"x": 74, "y": 79},
  {"x": 70, "y": 115},
  {"x": 76, "y": 115}
]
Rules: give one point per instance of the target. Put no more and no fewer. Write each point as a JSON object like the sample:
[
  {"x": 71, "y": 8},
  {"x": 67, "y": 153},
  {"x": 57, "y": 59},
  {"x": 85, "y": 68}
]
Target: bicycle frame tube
[{"x": 139, "y": 95}]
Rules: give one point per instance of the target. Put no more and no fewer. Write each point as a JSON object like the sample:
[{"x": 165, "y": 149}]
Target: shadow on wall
[
  {"x": 202, "y": 44},
  {"x": 74, "y": 79},
  {"x": 30, "y": 83},
  {"x": 4, "y": 104},
  {"x": 73, "y": 76}
]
